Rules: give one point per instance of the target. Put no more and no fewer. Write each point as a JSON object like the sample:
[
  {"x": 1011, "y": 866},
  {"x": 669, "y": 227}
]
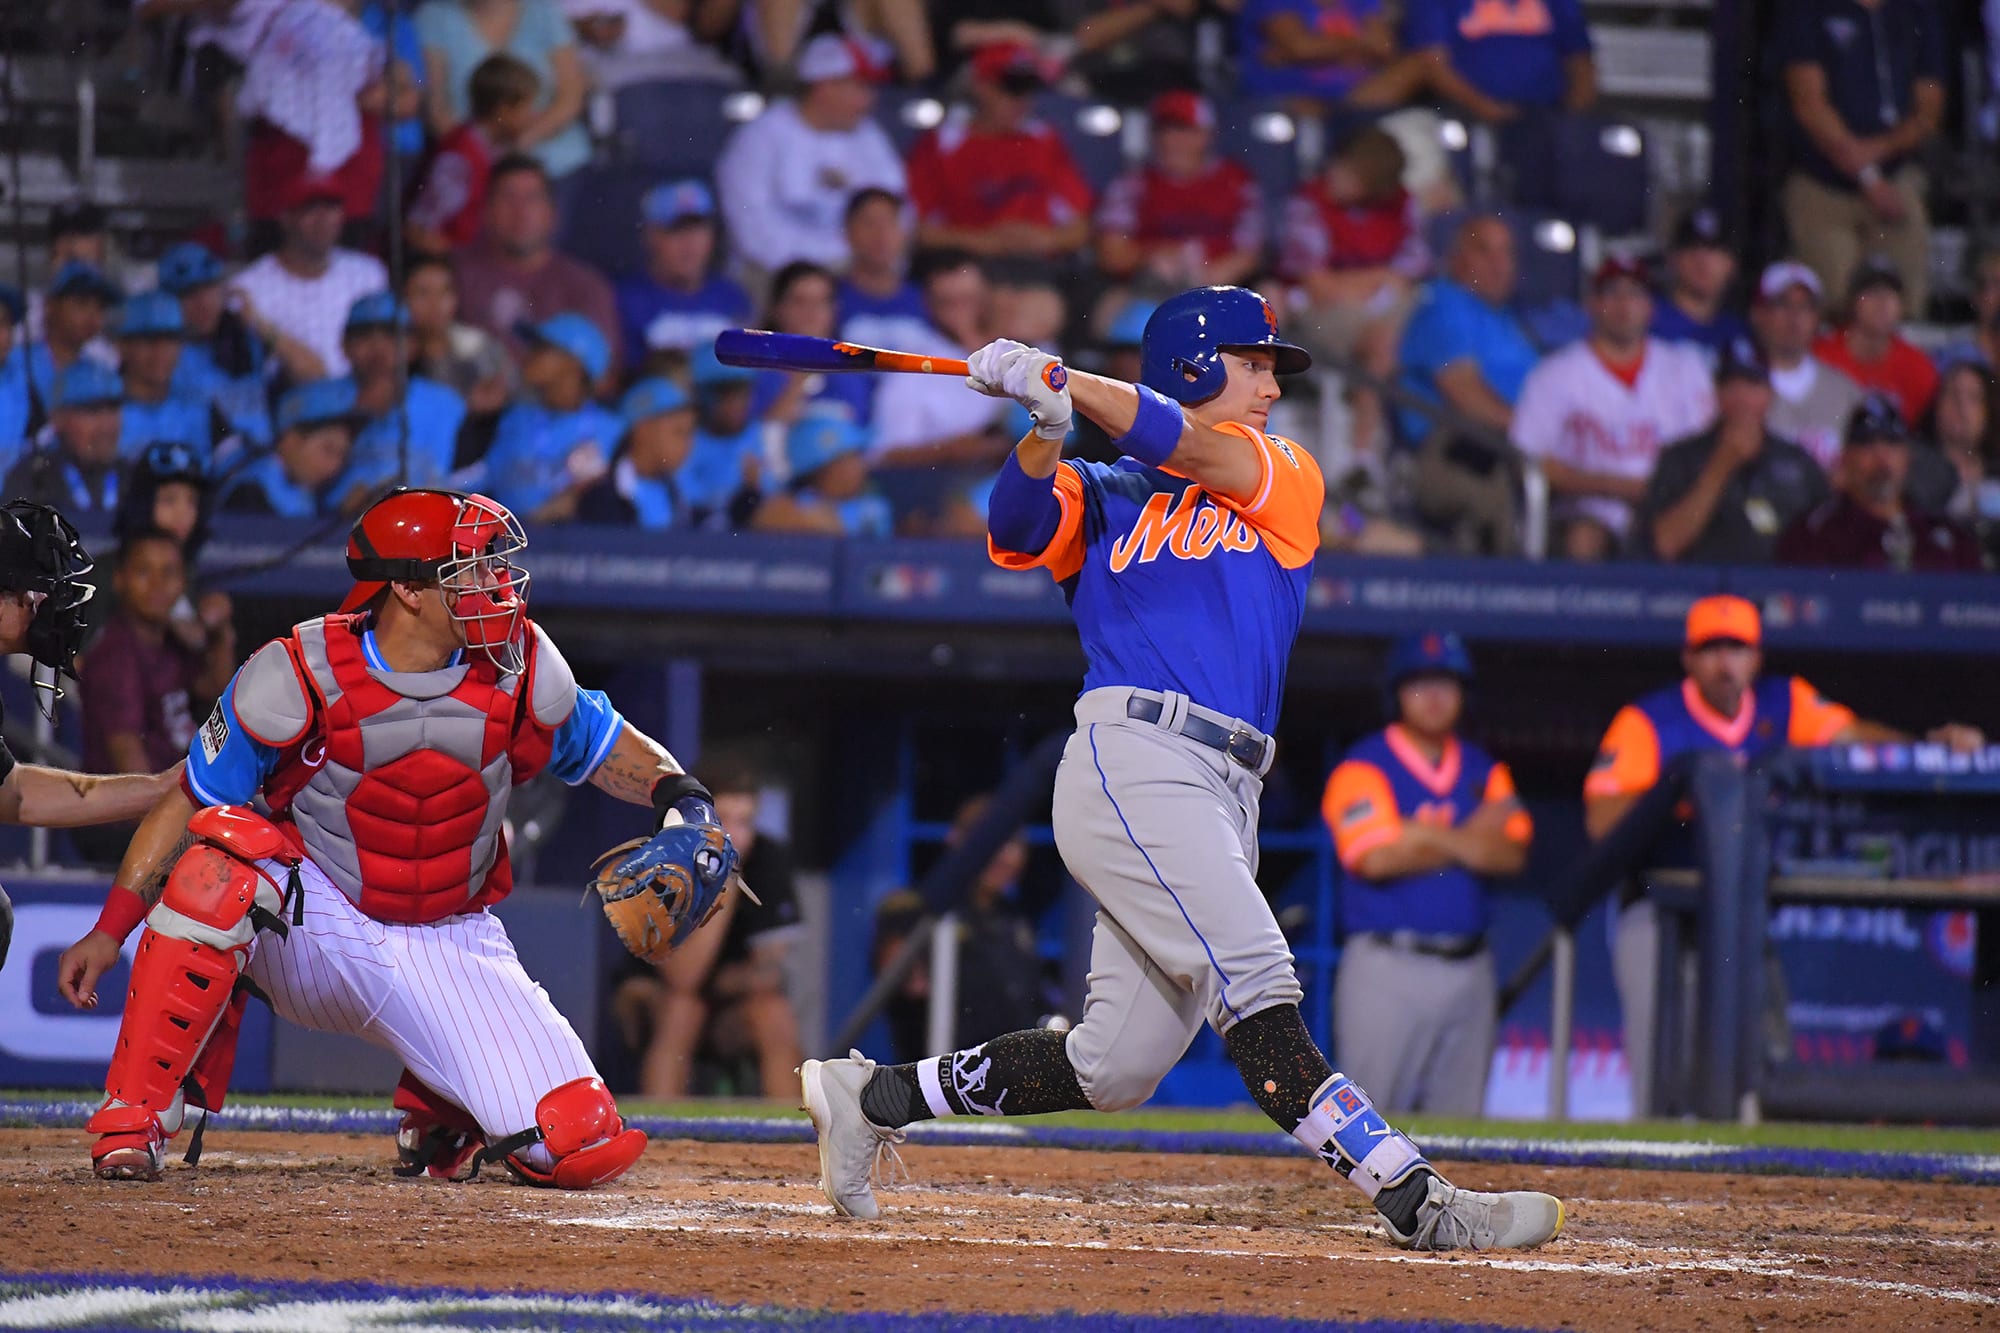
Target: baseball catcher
[{"x": 384, "y": 741}]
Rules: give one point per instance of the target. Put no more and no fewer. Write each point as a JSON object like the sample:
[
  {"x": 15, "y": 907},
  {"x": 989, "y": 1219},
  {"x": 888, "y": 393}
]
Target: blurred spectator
[
  {"x": 1701, "y": 264},
  {"x": 224, "y": 358},
  {"x": 74, "y": 312},
  {"x": 678, "y": 301},
  {"x": 992, "y": 180},
  {"x": 80, "y": 474},
  {"x": 640, "y": 490},
  {"x": 514, "y": 273},
  {"x": 878, "y": 304},
  {"x": 1326, "y": 53},
  {"x": 777, "y": 29},
  {"x": 1127, "y": 50},
  {"x": 149, "y": 333},
  {"x": 1188, "y": 218},
  {"x": 804, "y": 300},
  {"x": 165, "y": 489},
  {"x": 1953, "y": 473},
  {"x": 1811, "y": 401},
  {"x": 79, "y": 232},
  {"x": 314, "y": 95},
  {"x": 1463, "y": 348},
  {"x": 1495, "y": 58},
  {"x": 1870, "y": 349},
  {"x": 459, "y": 34},
  {"x": 468, "y": 361},
  {"x": 1029, "y": 306},
  {"x": 785, "y": 178},
  {"x": 303, "y": 289},
  {"x": 398, "y": 38},
  {"x": 640, "y": 41},
  {"x": 964, "y": 28},
  {"x": 1864, "y": 80},
  {"x": 1598, "y": 412},
  {"x": 1868, "y": 524},
  {"x": 1352, "y": 245},
  {"x": 1724, "y": 496},
  {"x": 448, "y": 203},
  {"x": 557, "y": 442},
  {"x": 409, "y": 425},
  {"x": 14, "y": 405},
  {"x": 1000, "y": 982},
  {"x": 724, "y": 473},
  {"x": 299, "y": 477},
  {"x": 932, "y": 440},
  {"x": 1983, "y": 347},
  {"x": 830, "y": 491}
]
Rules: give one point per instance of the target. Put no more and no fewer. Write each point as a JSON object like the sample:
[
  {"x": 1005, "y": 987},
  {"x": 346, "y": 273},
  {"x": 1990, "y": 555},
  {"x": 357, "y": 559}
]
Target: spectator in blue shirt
[
  {"x": 1864, "y": 80},
  {"x": 298, "y": 478},
  {"x": 1496, "y": 57},
  {"x": 392, "y": 408},
  {"x": 1327, "y": 53},
  {"x": 14, "y": 409},
  {"x": 728, "y": 455},
  {"x": 677, "y": 302},
  {"x": 830, "y": 491},
  {"x": 224, "y": 359},
  {"x": 553, "y": 446},
  {"x": 640, "y": 490},
  {"x": 1701, "y": 264},
  {"x": 74, "y": 310},
  {"x": 80, "y": 474},
  {"x": 149, "y": 348},
  {"x": 1463, "y": 348},
  {"x": 804, "y": 300},
  {"x": 878, "y": 304}
]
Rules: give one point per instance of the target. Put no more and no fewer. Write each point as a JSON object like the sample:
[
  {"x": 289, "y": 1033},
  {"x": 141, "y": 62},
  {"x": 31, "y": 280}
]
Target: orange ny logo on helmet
[{"x": 1271, "y": 319}]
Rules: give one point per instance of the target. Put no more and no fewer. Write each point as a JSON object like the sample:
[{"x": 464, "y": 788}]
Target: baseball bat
[{"x": 763, "y": 350}]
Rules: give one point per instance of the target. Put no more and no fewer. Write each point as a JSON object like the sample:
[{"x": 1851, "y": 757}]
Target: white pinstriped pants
[{"x": 450, "y": 998}]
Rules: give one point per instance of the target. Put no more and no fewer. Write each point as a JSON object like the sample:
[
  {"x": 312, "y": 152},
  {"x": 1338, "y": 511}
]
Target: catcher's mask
[
  {"x": 463, "y": 543},
  {"x": 42, "y": 557}
]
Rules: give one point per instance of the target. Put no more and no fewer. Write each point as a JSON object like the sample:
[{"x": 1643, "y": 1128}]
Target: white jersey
[
  {"x": 1574, "y": 410},
  {"x": 785, "y": 186}
]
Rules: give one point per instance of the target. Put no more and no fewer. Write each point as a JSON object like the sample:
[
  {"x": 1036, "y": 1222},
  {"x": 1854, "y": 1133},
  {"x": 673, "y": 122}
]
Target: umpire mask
[{"x": 42, "y": 555}]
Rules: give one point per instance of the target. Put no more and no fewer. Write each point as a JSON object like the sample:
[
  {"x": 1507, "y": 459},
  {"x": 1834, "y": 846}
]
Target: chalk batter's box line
[{"x": 1615, "y": 1154}]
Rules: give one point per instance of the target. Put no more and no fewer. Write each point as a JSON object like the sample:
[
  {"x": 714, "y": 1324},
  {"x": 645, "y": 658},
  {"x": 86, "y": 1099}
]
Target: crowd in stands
[{"x": 1679, "y": 408}]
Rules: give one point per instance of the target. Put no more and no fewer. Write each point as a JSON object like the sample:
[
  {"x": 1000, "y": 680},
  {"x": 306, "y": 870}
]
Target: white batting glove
[
  {"x": 1032, "y": 378},
  {"x": 984, "y": 367}
]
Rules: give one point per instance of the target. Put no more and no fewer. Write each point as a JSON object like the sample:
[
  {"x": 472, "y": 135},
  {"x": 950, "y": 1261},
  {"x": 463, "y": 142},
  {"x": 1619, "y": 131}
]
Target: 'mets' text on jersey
[{"x": 1177, "y": 588}]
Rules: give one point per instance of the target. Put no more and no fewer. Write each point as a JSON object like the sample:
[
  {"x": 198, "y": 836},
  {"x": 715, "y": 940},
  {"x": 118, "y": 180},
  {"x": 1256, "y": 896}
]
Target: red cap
[
  {"x": 996, "y": 60},
  {"x": 1182, "y": 107},
  {"x": 1615, "y": 267},
  {"x": 309, "y": 189},
  {"x": 1724, "y": 617}
]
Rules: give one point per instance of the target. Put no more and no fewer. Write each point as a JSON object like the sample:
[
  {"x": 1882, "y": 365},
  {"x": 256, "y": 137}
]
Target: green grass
[{"x": 1848, "y": 1138}]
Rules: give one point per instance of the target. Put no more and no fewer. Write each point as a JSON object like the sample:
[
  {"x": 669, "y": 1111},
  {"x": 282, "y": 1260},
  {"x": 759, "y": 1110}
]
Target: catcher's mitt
[{"x": 656, "y": 891}]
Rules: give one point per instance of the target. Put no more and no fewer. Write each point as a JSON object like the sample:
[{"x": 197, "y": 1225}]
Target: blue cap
[
  {"x": 817, "y": 440},
  {"x": 149, "y": 315},
  {"x": 87, "y": 383},
  {"x": 572, "y": 334},
  {"x": 11, "y": 302},
  {"x": 1433, "y": 653},
  {"x": 172, "y": 460},
  {"x": 709, "y": 370},
  {"x": 1129, "y": 329},
  {"x": 651, "y": 397},
  {"x": 77, "y": 278},
  {"x": 317, "y": 404},
  {"x": 1876, "y": 418},
  {"x": 188, "y": 266},
  {"x": 676, "y": 201},
  {"x": 377, "y": 310}
]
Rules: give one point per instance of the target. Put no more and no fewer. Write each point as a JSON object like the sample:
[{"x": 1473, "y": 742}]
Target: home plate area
[{"x": 312, "y": 1231}]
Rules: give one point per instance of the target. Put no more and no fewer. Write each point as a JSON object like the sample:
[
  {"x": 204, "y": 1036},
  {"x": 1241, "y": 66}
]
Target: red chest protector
[{"x": 417, "y": 837}]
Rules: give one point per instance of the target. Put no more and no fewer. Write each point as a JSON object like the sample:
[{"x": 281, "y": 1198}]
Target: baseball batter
[
  {"x": 1186, "y": 565},
  {"x": 384, "y": 741}
]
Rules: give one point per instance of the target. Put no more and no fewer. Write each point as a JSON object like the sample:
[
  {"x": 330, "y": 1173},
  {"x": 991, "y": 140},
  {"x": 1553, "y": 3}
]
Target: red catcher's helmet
[{"x": 464, "y": 544}]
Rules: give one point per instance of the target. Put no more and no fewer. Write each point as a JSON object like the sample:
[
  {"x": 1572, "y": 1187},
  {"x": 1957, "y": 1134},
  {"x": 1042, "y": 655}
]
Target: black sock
[
  {"x": 1021, "y": 1073},
  {"x": 1399, "y": 1203}
]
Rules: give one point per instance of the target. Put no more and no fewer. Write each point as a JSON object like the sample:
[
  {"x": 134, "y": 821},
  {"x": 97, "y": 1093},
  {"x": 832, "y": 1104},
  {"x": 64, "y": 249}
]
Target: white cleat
[
  {"x": 1454, "y": 1219},
  {"x": 850, "y": 1144}
]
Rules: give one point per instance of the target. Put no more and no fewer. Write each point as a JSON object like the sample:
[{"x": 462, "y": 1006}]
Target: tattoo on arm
[
  {"x": 80, "y": 783},
  {"x": 154, "y": 884},
  {"x": 635, "y": 763}
]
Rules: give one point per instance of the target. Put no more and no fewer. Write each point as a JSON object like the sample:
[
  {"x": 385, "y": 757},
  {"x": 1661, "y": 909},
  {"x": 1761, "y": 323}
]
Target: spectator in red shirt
[
  {"x": 1868, "y": 524},
  {"x": 451, "y": 197},
  {"x": 1870, "y": 348},
  {"x": 1351, "y": 246},
  {"x": 1187, "y": 218},
  {"x": 994, "y": 181}
]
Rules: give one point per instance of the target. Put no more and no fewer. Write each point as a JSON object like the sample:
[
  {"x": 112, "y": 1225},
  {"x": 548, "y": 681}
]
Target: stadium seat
[
  {"x": 603, "y": 225},
  {"x": 1600, "y": 178},
  {"x": 679, "y": 127},
  {"x": 1094, "y": 131},
  {"x": 1263, "y": 136},
  {"x": 906, "y": 113},
  {"x": 1545, "y": 247}
]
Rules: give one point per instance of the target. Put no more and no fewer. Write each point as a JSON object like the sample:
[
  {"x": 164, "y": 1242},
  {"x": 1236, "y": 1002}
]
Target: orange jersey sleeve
[
  {"x": 1815, "y": 720},
  {"x": 1290, "y": 493},
  {"x": 1063, "y": 556},
  {"x": 1500, "y": 788},
  {"x": 1628, "y": 758},
  {"x": 1360, "y": 811}
]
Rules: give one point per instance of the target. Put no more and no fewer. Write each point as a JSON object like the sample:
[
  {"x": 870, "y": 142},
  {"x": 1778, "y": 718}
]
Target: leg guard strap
[{"x": 1344, "y": 1127}]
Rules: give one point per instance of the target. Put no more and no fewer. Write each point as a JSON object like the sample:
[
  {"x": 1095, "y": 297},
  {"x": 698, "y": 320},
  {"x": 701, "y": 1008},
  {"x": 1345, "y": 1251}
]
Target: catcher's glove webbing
[{"x": 656, "y": 891}]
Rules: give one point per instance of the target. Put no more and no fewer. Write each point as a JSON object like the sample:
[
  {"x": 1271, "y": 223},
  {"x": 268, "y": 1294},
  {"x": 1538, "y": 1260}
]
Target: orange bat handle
[{"x": 916, "y": 363}]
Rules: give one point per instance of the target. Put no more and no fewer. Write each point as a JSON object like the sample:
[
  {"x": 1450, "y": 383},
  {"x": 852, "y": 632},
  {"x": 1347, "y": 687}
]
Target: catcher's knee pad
[{"x": 582, "y": 1139}]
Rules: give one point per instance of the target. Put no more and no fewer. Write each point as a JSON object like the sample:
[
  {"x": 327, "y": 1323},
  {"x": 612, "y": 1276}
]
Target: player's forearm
[
  {"x": 55, "y": 798},
  {"x": 1220, "y": 462},
  {"x": 162, "y": 837},
  {"x": 635, "y": 765},
  {"x": 1602, "y": 813},
  {"x": 1416, "y": 849}
]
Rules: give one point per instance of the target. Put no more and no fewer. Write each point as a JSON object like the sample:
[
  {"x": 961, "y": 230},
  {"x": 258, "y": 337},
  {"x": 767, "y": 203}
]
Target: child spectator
[
  {"x": 552, "y": 447},
  {"x": 449, "y": 201},
  {"x": 724, "y": 473},
  {"x": 467, "y": 360},
  {"x": 14, "y": 404},
  {"x": 165, "y": 489},
  {"x": 409, "y": 424},
  {"x": 804, "y": 300},
  {"x": 830, "y": 492},
  {"x": 679, "y": 300},
  {"x": 149, "y": 332},
  {"x": 1188, "y": 218},
  {"x": 75, "y": 309},
  {"x": 297, "y": 479},
  {"x": 80, "y": 475},
  {"x": 640, "y": 490},
  {"x": 1870, "y": 348},
  {"x": 879, "y": 305},
  {"x": 1354, "y": 250},
  {"x": 224, "y": 358}
]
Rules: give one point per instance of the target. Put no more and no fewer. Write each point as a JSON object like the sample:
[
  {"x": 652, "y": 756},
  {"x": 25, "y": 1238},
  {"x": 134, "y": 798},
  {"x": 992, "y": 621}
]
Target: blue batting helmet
[
  {"x": 1433, "y": 653},
  {"x": 1187, "y": 335}
]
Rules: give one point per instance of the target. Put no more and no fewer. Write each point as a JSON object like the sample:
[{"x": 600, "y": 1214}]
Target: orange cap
[{"x": 1724, "y": 617}]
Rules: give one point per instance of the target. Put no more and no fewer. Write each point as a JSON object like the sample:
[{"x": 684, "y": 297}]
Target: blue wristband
[{"x": 1156, "y": 431}]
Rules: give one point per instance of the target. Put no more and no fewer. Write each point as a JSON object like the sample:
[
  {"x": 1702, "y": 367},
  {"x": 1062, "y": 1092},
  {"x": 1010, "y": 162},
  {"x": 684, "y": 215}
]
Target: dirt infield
[{"x": 1007, "y": 1230}]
